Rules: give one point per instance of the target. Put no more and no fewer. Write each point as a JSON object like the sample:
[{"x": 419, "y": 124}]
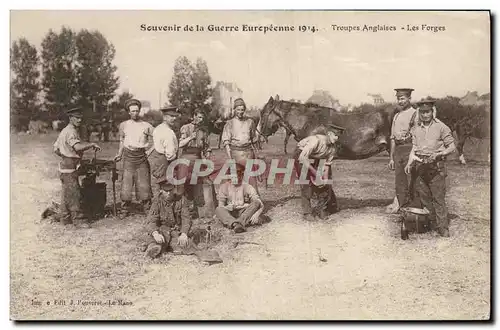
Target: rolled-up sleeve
[
  {"x": 170, "y": 146},
  {"x": 73, "y": 139},
  {"x": 184, "y": 132},
  {"x": 121, "y": 131},
  {"x": 227, "y": 134},
  {"x": 413, "y": 133},
  {"x": 307, "y": 148},
  {"x": 222, "y": 196},
  {"x": 446, "y": 136},
  {"x": 252, "y": 193}
]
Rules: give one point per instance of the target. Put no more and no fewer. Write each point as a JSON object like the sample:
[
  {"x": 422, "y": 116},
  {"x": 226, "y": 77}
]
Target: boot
[
  {"x": 153, "y": 250},
  {"x": 443, "y": 232},
  {"x": 238, "y": 228}
]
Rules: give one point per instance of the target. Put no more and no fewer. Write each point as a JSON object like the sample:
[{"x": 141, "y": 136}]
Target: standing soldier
[
  {"x": 70, "y": 148},
  {"x": 193, "y": 145},
  {"x": 432, "y": 142},
  {"x": 238, "y": 137},
  {"x": 315, "y": 148},
  {"x": 135, "y": 138},
  {"x": 400, "y": 148},
  {"x": 165, "y": 146}
]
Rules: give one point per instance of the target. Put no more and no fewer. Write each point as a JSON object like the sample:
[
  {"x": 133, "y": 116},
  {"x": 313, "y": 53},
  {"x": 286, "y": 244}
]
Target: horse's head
[{"x": 269, "y": 119}]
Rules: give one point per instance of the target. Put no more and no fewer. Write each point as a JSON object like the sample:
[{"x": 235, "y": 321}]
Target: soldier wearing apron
[
  {"x": 136, "y": 136},
  {"x": 314, "y": 148},
  {"x": 238, "y": 137},
  {"x": 165, "y": 146},
  {"x": 432, "y": 142},
  {"x": 193, "y": 145},
  {"x": 400, "y": 148},
  {"x": 70, "y": 148}
]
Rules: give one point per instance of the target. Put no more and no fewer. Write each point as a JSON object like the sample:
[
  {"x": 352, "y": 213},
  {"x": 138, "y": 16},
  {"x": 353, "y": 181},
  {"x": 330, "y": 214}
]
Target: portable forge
[{"x": 94, "y": 193}]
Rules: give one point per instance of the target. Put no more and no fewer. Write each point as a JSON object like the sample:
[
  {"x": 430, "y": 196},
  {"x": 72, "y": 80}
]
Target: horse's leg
[
  {"x": 287, "y": 137},
  {"x": 220, "y": 140},
  {"x": 460, "y": 147}
]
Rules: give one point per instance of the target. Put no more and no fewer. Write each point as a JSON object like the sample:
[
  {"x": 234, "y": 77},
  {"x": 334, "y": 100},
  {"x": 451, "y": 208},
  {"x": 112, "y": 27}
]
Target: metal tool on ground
[{"x": 414, "y": 220}]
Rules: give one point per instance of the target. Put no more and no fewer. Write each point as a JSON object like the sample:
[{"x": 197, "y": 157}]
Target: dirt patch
[{"x": 351, "y": 266}]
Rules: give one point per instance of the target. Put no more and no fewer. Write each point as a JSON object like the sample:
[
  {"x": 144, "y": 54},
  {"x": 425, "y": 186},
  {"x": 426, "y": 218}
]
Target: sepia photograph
[{"x": 250, "y": 165}]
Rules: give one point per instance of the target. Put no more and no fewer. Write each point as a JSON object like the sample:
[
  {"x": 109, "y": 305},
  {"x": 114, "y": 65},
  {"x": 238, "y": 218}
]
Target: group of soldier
[
  {"x": 146, "y": 152},
  {"x": 419, "y": 145}
]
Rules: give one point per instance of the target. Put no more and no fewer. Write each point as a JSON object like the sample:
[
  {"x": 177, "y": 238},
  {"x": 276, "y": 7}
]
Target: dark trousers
[
  {"x": 431, "y": 187},
  {"x": 71, "y": 199},
  {"x": 327, "y": 201},
  {"x": 242, "y": 216},
  {"x": 405, "y": 184},
  {"x": 192, "y": 192}
]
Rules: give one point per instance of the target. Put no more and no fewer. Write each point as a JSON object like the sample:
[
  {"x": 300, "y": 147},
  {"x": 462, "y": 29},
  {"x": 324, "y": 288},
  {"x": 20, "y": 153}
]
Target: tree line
[{"x": 75, "y": 68}]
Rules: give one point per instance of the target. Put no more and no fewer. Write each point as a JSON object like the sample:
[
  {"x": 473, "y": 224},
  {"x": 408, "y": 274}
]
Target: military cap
[
  {"x": 130, "y": 102},
  {"x": 336, "y": 128},
  {"x": 404, "y": 91},
  {"x": 426, "y": 104},
  {"x": 239, "y": 101},
  {"x": 171, "y": 111},
  {"x": 75, "y": 112}
]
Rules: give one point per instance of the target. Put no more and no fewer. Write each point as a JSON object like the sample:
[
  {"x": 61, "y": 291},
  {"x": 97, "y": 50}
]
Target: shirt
[
  {"x": 430, "y": 139},
  {"x": 188, "y": 130},
  {"x": 317, "y": 147},
  {"x": 135, "y": 134},
  {"x": 165, "y": 142},
  {"x": 237, "y": 195},
  {"x": 66, "y": 141},
  {"x": 238, "y": 132},
  {"x": 401, "y": 124}
]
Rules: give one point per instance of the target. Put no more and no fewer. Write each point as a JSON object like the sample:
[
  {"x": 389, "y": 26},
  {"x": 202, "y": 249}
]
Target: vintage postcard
[{"x": 250, "y": 165}]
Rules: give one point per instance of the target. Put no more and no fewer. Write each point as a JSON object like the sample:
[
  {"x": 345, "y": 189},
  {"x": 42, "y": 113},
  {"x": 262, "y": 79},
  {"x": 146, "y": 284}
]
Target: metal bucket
[{"x": 414, "y": 220}]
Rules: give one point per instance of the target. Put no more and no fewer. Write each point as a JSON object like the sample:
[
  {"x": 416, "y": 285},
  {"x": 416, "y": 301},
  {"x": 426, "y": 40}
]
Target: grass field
[{"x": 369, "y": 272}]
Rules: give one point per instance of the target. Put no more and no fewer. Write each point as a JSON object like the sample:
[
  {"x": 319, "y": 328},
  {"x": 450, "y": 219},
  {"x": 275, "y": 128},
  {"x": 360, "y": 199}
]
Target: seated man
[
  {"x": 169, "y": 227},
  {"x": 239, "y": 204}
]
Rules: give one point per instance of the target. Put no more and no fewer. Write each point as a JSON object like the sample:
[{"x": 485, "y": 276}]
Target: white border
[{"x": 185, "y": 4}]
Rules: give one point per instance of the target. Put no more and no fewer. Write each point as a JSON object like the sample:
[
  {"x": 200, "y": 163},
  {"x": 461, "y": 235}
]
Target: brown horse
[{"x": 365, "y": 135}]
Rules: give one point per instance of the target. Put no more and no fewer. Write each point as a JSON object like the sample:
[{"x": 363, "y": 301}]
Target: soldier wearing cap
[
  {"x": 238, "y": 137},
  {"x": 136, "y": 137},
  {"x": 165, "y": 145},
  {"x": 432, "y": 141},
  {"x": 169, "y": 229},
  {"x": 193, "y": 145},
  {"x": 401, "y": 146},
  {"x": 308, "y": 153},
  {"x": 69, "y": 147}
]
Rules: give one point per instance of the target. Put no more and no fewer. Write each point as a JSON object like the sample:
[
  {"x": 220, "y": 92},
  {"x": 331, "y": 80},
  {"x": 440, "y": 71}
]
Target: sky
[{"x": 349, "y": 65}]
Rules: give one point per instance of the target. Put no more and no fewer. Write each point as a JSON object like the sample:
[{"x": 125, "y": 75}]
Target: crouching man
[
  {"x": 240, "y": 205},
  {"x": 169, "y": 227},
  {"x": 308, "y": 154}
]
